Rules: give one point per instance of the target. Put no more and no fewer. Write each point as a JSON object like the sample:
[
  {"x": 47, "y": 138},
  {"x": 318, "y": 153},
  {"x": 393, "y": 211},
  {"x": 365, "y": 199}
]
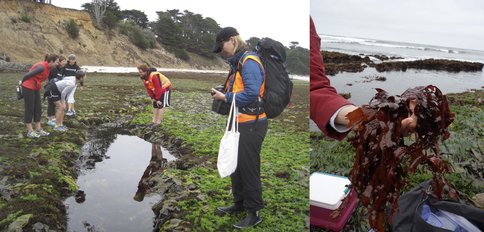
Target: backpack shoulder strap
[{"x": 252, "y": 56}]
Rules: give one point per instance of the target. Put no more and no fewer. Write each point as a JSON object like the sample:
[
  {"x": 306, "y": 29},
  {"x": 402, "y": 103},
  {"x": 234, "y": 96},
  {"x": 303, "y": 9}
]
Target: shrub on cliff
[
  {"x": 25, "y": 18},
  {"x": 136, "y": 35},
  {"x": 181, "y": 54},
  {"x": 72, "y": 28},
  {"x": 110, "y": 20}
]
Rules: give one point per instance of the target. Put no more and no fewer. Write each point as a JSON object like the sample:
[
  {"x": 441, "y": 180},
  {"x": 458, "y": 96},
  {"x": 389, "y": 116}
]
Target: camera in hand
[
  {"x": 220, "y": 107},
  {"x": 219, "y": 88}
]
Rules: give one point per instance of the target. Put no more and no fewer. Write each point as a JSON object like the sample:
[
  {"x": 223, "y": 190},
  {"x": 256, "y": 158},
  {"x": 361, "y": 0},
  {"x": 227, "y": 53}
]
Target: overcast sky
[
  {"x": 451, "y": 23},
  {"x": 284, "y": 21}
]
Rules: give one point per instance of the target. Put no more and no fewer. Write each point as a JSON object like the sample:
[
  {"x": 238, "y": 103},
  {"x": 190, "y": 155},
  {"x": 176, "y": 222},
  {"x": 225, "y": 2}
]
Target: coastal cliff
[{"x": 30, "y": 30}]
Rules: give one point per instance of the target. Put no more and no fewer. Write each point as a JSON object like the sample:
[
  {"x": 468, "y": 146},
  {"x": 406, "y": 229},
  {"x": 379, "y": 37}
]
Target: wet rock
[
  {"x": 19, "y": 223},
  {"x": 431, "y": 64},
  {"x": 380, "y": 78},
  {"x": 333, "y": 69},
  {"x": 4, "y": 188},
  {"x": 166, "y": 208},
  {"x": 39, "y": 227},
  {"x": 192, "y": 187},
  {"x": 202, "y": 197},
  {"x": 176, "y": 225},
  {"x": 173, "y": 223},
  {"x": 163, "y": 184},
  {"x": 13, "y": 67},
  {"x": 336, "y": 62},
  {"x": 80, "y": 196},
  {"x": 283, "y": 174},
  {"x": 342, "y": 58},
  {"x": 479, "y": 200},
  {"x": 345, "y": 95}
]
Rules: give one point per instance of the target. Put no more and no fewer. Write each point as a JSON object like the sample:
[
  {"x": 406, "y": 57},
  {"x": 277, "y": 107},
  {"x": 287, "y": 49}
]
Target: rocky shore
[
  {"x": 13, "y": 67},
  {"x": 336, "y": 62},
  {"x": 431, "y": 64}
]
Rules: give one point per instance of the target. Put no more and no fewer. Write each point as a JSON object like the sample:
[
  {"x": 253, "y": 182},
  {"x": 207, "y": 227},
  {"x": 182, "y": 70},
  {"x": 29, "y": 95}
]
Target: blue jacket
[{"x": 252, "y": 76}]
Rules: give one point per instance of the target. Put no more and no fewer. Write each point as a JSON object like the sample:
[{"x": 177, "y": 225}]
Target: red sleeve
[
  {"x": 148, "y": 90},
  {"x": 158, "y": 85},
  {"x": 324, "y": 100}
]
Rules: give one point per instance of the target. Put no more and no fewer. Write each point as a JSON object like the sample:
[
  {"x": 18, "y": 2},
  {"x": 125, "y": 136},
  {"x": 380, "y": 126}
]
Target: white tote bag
[{"x": 229, "y": 145}]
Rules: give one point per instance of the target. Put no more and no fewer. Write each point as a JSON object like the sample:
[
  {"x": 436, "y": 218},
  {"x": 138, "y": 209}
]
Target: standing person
[
  {"x": 70, "y": 69},
  {"x": 31, "y": 85},
  {"x": 57, "y": 93},
  {"x": 56, "y": 74},
  {"x": 158, "y": 88},
  {"x": 246, "y": 79},
  {"x": 327, "y": 108}
]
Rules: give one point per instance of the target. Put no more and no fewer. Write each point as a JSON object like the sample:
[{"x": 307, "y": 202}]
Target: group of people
[{"x": 62, "y": 76}]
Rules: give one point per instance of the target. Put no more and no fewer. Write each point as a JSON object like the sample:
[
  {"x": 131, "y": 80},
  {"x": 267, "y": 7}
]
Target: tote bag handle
[{"x": 233, "y": 117}]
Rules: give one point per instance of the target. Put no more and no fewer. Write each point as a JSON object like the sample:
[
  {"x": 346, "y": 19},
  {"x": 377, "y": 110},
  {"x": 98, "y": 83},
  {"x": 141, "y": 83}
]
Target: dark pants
[
  {"x": 33, "y": 106},
  {"x": 53, "y": 93},
  {"x": 246, "y": 184},
  {"x": 51, "y": 109}
]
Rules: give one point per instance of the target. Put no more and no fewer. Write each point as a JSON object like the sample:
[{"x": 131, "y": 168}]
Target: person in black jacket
[
  {"x": 55, "y": 75},
  {"x": 70, "y": 69}
]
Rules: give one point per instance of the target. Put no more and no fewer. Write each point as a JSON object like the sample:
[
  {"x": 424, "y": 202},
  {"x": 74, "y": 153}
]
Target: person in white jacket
[{"x": 57, "y": 93}]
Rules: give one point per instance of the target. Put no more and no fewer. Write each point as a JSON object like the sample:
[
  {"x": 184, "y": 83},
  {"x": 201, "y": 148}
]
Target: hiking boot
[
  {"x": 236, "y": 208},
  {"x": 51, "y": 122},
  {"x": 32, "y": 134},
  {"x": 42, "y": 132},
  {"x": 251, "y": 220},
  {"x": 60, "y": 128}
]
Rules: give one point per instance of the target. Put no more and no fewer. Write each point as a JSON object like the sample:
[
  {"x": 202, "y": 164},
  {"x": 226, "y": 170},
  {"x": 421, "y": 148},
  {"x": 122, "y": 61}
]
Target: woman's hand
[
  {"x": 409, "y": 124},
  {"x": 217, "y": 95}
]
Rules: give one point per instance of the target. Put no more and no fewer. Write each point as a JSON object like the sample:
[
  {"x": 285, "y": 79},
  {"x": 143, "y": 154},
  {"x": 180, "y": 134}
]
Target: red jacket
[
  {"x": 323, "y": 98},
  {"x": 156, "y": 85},
  {"x": 35, "y": 82}
]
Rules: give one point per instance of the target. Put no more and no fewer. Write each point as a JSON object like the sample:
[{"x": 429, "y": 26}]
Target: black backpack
[
  {"x": 278, "y": 86},
  {"x": 410, "y": 205}
]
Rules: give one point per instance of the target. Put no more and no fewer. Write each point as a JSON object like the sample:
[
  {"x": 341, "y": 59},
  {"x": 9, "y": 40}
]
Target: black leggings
[
  {"x": 51, "y": 109},
  {"x": 33, "y": 106},
  {"x": 246, "y": 184}
]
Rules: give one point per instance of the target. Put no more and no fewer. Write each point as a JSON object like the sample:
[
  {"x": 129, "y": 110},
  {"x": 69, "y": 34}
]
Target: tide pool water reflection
[{"x": 115, "y": 189}]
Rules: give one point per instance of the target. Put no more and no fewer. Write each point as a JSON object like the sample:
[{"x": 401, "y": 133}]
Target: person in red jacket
[
  {"x": 158, "y": 88},
  {"x": 327, "y": 108},
  {"x": 31, "y": 85}
]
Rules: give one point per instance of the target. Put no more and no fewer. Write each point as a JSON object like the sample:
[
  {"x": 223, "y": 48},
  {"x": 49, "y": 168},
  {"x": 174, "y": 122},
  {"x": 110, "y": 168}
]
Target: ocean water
[
  {"x": 362, "y": 85},
  {"x": 409, "y": 51}
]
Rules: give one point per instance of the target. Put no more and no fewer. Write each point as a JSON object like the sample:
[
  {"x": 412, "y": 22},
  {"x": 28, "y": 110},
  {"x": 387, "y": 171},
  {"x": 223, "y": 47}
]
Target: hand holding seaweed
[{"x": 383, "y": 161}]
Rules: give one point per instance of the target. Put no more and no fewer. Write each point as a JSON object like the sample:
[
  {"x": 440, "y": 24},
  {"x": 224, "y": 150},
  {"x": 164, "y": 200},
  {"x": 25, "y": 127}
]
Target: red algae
[{"x": 383, "y": 160}]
